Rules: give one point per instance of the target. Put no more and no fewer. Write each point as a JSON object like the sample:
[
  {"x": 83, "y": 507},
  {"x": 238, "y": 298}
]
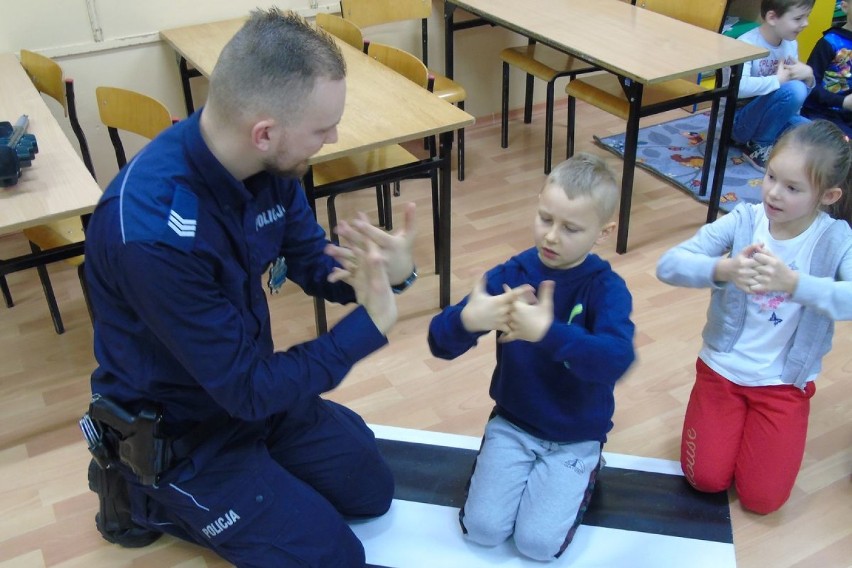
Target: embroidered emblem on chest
[{"x": 269, "y": 216}]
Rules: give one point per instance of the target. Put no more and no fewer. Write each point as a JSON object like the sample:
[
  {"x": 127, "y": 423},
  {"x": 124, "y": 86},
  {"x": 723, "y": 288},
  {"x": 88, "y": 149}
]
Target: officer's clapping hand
[
  {"x": 396, "y": 247},
  {"x": 364, "y": 268}
]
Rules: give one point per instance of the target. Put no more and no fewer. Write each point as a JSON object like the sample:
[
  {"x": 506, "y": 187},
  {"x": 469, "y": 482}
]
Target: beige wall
[
  {"x": 116, "y": 42},
  {"x": 111, "y": 42}
]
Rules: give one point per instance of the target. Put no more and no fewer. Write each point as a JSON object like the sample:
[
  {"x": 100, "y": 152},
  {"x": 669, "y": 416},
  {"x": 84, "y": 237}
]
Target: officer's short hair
[{"x": 270, "y": 66}]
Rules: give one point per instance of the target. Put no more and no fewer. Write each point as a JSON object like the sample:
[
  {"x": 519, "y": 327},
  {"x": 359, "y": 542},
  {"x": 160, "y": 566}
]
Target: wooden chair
[
  {"x": 366, "y": 13},
  {"x": 341, "y": 29},
  {"x": 131, "y": 111},
  {"x": 351, "y": 34},
  {"x": 374, "y": 168},
  {"x": 610, "y": 93},
  {"x": 119, "y": 109},
  {"x": 326, "y": 175},
  {"x": 545, "y": 63},
  {"x": 47, "y": 76}
]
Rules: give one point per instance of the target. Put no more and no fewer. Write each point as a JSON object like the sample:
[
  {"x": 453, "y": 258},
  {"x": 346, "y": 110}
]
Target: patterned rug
[{"x": 674, "y": 151}]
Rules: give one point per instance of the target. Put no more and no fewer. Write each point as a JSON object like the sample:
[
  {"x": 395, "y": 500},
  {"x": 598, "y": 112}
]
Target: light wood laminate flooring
[{"x": 47, "y": 512}]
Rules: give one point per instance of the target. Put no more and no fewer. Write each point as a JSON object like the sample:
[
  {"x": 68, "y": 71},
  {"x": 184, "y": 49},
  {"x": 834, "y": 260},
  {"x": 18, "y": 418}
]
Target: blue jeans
[{"x": 766, "y": 117}]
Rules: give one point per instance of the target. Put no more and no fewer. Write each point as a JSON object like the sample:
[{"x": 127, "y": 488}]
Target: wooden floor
[{"x": 47, "y": 512}]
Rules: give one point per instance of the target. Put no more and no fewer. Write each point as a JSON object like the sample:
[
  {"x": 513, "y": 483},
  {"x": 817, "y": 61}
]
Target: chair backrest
[
  {"x": 46, "y": 75},
  {"x": 48, "y": 78},
  {"x": 342, "y": 29},
  {"x": 365, "y": 13},
  {"x": 121, "y": 109},
  {"x": 401, "y": 61},
  {"x": 707, "y": 14}
]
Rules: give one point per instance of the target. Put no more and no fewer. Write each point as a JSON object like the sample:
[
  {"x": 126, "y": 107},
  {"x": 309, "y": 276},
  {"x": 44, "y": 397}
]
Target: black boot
[{"x": 113, "y": 518}]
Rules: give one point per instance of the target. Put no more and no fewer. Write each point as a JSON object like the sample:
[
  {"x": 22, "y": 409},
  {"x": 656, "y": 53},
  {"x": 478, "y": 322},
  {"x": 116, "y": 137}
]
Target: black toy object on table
[{"x": 17, "y": 150}]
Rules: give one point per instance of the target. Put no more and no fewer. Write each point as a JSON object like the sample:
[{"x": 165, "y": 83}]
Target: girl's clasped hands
[{"x": 755, "y": 269}]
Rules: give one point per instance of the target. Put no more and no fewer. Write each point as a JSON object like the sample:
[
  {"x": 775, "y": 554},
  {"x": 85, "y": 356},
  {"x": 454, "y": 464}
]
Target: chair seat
[
  {"x": 543, "y": 62},
  {"x": 447, "y": 89},
  {"x": 366, "y": 162},
  {"x": 57, "y": 234},
  {"x": 605, "y": 92}
]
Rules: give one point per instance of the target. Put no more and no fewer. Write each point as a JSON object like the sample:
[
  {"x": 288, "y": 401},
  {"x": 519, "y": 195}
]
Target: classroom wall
[
  {"x": 116, "y": 42},
  {"x": 111, "y": 42}
]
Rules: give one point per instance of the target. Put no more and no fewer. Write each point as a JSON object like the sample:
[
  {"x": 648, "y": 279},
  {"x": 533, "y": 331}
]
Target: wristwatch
[{"x": 403, "y": 286}]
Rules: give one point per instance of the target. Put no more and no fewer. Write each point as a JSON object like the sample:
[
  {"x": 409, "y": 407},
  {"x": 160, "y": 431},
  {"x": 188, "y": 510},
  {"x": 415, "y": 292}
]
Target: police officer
[{"x": 257, "y": 466}]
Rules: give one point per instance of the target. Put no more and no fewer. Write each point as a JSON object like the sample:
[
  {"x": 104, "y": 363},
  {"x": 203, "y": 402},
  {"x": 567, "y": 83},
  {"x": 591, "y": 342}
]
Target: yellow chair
[
  {"x": 607, "y": 92},
  {"x": 334, "y": 177},
  {"x": 342, "y": 29},
  {"x": 374, "y": 168},
  {"x": 545, "y": 63},
  {"x": 351, "y": 34},
  {"x": 131, "y": 111},
  {"x": 119, "y": 109},
  {"x": 47, "y": 76},
  {"x": 366, "y": 13}
]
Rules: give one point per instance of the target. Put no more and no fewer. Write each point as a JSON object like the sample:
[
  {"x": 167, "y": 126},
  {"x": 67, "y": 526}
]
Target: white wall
[{"x": 116, "y": 42}]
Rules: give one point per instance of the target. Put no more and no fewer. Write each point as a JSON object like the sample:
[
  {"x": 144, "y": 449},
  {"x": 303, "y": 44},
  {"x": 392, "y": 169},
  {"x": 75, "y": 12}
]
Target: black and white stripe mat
[{"x": 642, "y": 514}]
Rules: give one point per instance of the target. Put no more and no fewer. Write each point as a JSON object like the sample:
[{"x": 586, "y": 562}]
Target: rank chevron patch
[{"x": 183, "y": 227}]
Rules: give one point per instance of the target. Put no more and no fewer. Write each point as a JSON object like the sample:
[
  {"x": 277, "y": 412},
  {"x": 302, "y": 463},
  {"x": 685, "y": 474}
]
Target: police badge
[{"x": 277, "y": 275}]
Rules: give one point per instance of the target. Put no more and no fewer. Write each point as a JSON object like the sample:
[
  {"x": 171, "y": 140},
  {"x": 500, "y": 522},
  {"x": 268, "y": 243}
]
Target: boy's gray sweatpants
[{"x": 532, "y": 488}]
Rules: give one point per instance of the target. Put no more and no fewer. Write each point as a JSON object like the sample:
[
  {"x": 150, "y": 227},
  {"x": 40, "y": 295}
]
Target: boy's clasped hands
[
  {"x": 517, "y": 313},
  {"x": 795, "y": 71}
]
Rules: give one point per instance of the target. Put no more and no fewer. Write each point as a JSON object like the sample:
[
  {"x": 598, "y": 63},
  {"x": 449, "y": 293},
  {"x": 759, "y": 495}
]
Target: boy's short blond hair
[
  {"x": 586, "y": 175},
  {"x": 781, "y": 7}
]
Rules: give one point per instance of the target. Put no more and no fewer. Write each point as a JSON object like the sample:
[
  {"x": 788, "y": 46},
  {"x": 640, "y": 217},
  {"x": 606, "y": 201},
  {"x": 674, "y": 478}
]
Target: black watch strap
[{"x": 403, "y": 286}]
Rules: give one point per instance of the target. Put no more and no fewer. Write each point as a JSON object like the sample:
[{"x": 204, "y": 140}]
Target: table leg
[
  {"x": 634, "y": 95},
  {"x": 185, "y": 75},
  {"x": 449, "y": 9},
  {"x": 7, "y": 295},
  {"x": 724, "y": 141},
  {"x": 319, "y": 304},
  {"x": 709, "y": 141},
  {"x": 444, "y": 226}
]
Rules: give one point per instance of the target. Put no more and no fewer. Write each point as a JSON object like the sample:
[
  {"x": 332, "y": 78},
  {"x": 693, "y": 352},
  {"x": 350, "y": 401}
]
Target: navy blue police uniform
[{"x": 265, "y": 470}]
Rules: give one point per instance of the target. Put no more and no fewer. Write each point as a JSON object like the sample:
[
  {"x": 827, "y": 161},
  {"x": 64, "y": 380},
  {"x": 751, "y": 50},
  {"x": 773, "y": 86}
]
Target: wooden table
[
  {"x": 382, "y": 108},
  {"x": 641, "y": 46},
  {"x": 56, "y": 186}
]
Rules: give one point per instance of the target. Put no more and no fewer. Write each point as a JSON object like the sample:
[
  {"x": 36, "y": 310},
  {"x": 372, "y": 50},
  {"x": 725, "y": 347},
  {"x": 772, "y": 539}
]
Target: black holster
[{"x": 114, "y": 435}]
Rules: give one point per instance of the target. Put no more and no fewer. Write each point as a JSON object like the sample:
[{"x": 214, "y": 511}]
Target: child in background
[
  {"x": 558, "y": 357},
  {"x": 779, "y": 274},
  {"x": 831, "y": 61},
  {"x": 777, "y": 84}
]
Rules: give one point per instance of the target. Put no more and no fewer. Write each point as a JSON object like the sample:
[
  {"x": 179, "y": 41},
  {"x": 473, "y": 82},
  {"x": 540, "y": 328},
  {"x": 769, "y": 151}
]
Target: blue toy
[{"x": 17, "y": 150}]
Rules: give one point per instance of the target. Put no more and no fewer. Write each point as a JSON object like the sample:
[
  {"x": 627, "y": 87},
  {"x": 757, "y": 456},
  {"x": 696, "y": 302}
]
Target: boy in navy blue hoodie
[
  {"x": 831, "y": 60},
  {"x": 564, "y": 337}
]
